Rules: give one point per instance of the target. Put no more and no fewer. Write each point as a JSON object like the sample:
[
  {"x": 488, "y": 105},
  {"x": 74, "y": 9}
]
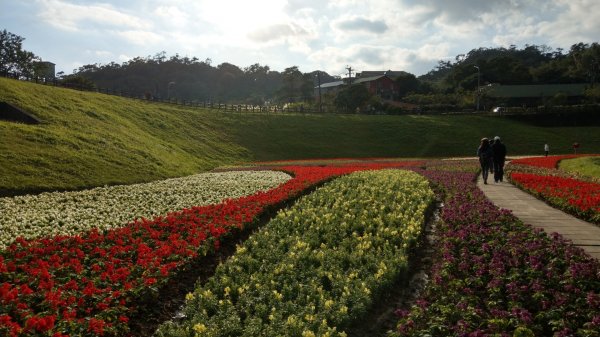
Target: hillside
[
  {"x": 328, "y": 136},
  {"x": 89, "y": 139}
]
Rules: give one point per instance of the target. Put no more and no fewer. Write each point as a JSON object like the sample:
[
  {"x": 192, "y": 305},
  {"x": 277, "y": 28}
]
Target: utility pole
[
  {"x": 593, "y": 72},
  {"x": 319, "y": 79},
  {"x": 478, "y": 76},
  {"x": 349, "y": 68}
]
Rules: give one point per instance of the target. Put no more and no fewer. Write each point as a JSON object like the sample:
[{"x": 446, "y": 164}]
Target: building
[
  {"x": 389, "y": 73},
  {"x": 382, "y": 86},
  {"x": 330, "y": 87},
  {"x": 379, "y": 85}
]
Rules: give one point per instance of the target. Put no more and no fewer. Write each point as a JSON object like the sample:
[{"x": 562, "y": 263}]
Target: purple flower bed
[{"x": 495, "y": 276}]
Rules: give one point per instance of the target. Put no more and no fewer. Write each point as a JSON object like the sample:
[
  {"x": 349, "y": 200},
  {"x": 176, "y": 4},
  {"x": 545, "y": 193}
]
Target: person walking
[
  {"x": 546, "y": 149},
  {"x": 485, "y": 154},
  {"x": 499, "y": 150}
]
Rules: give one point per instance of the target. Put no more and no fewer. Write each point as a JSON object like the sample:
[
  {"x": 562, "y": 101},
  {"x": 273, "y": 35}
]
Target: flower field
[
  {"x": 88, "y": 284},
  {"x": 70, "y": 213},
  {"x": 573, "y": 194},
  {"x": 495, "y": 276},
  {"x": 314, "y": 269},
  {"x": 316, "y": 266}
]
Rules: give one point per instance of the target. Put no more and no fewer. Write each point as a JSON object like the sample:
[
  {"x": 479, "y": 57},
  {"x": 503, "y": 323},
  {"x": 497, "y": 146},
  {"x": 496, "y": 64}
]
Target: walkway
[{"x": 538, "y": 214}]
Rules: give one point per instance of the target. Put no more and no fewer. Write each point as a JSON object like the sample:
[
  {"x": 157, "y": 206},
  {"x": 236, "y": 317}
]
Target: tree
[
  {"x": 13, "y": 59},
  {"x": 407, "y": 83},
  {"x": 292, "y": 82},
  {"x": 352, "y": 98}
]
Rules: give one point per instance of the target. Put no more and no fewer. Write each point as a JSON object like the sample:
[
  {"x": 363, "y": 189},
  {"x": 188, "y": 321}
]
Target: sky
[{"x": 327, "y": 35}]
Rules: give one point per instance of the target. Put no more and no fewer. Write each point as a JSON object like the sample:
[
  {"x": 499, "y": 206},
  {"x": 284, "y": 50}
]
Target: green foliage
[
  {"x": 13, "y": 59},
  {"x": 407, "y": 83},
  {"x": 77, "y": 82},
  {"x": 523, "y": 332},
  {"x": 587, "y": 166},
  {"x": 352, "y": 98},
  {"x": 530, "y": 65},
  {"x": 593, "y": 94},
  {"x": 297, "y": 87}
]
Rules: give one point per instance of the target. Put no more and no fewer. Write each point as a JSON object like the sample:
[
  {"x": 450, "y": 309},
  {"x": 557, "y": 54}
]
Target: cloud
[
  {"x": 369, "y": 55},
  {"x": 124, "y": 58},
  {"x": 294, "y": 6},
  {"x": 140, "y": 37},
  {"x": 172, "y": 16},
  {"x": 99, "y": 53},
  {"x": 277, "y": 32},
  {"x": 71, "y": 17},
  {"x": 577, "y": 22},
  {"x": 460, "y": 10},
  {"x": 409, "y": 35},
  {"x": 362, "y": 24},
  {"x": 363, "y": 58}
]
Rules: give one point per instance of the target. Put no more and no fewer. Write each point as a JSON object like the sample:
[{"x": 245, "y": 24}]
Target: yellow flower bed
[{"x": 317, "y": 266}]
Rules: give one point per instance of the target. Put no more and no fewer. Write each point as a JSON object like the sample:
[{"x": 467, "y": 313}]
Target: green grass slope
[
  {"x": 90, "y": 139},
  {"x": 275, "y": 137}
]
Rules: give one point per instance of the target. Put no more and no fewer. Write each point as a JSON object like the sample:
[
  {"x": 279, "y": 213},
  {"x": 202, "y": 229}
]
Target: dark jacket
[
  {"x": 499, "y": 151},
  {"x": 485, "y": 154}
]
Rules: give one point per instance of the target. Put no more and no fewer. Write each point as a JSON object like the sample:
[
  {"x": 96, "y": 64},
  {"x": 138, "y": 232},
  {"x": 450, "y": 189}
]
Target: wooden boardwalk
[{"x": 538, "y": 214}]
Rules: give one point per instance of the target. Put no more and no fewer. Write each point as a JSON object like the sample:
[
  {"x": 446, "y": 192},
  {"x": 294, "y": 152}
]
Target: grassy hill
[
  {"x": 321, "y": 136},
  {"x": 89, "y": 139}
]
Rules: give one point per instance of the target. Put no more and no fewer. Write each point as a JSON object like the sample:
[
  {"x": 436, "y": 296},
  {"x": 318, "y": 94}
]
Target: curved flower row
[
  {"x": 316, "y": 266},
  {"x": 493, "y": 275},
  {"x": 545, "y": 162},
  {"x": 70, "y": 213},
  {"x": 88, "y": 284},
  {"x": 577, "y": 197},
  {"x": 540, "y": 176}
]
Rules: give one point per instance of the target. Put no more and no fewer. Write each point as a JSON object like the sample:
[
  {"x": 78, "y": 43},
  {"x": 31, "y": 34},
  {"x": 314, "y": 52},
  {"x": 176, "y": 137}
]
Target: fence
[{"x": 249, "y": 108}]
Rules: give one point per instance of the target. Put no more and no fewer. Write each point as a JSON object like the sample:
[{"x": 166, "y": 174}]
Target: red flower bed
[
  {"x": 546, "y": 162},
  {"x": 88, "y": 284},
  {"x": 579, "y": 195},
  {"x": 540, "y": 176}
]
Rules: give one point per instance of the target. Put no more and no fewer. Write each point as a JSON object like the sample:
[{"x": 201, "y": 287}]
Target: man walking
[{"x": 499, "y": 158}]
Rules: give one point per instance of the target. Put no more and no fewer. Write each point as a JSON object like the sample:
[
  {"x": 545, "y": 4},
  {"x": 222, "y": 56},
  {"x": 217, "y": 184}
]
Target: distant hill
[{"x": 90, "y": 139}]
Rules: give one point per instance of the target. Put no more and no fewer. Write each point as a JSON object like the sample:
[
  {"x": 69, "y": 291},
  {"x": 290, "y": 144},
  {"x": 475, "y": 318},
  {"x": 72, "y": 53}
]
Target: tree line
[
  {"x": 450, "y": 83},
  {"x": 191, "y": 79}
]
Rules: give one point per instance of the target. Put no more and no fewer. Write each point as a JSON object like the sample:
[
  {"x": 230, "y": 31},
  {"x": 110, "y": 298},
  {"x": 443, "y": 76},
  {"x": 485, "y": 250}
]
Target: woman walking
[{"x": 486, "y": 155}]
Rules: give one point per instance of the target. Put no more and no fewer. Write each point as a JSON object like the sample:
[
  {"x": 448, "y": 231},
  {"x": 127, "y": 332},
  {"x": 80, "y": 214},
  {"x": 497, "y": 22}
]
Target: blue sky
[{"x": 409, "y": 35}]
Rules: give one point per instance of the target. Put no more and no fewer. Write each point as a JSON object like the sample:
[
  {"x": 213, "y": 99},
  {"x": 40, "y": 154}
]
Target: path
[{"x": 538, "y": 214}]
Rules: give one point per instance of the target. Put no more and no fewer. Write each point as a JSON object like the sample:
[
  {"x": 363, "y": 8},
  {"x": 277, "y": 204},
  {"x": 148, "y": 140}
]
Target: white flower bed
[{"x": 69, "y": 213}]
